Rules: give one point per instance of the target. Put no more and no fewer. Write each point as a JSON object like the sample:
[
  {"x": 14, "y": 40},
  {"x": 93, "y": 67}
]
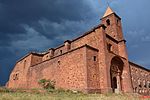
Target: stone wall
[
  {"x": 36, "y": 59},
  {"x": 68, "y": 70},
  {"x": 92, "y": 38},
  {"x": 140, "y": 79},
  {"x": 19, "y": 74},
  {"x": 93, "y": 78}
]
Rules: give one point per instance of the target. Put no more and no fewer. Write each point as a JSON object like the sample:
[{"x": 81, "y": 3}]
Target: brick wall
[
  {"x": 68, "y": 70},
  {"x": 19, "y": 74},
  {"x": 93, "y": 78},
  {"x": 140, "y": 79}
]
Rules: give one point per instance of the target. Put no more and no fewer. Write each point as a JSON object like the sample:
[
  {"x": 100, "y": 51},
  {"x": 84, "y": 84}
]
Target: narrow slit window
[
  {"x": 94, "y": 58},
  {"x": 58, "y": 62},
  {"x": 24, "y": 64}
]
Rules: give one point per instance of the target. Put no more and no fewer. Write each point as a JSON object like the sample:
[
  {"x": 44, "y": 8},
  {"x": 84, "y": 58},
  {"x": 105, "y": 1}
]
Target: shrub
[{"x": 47, "y": 84}]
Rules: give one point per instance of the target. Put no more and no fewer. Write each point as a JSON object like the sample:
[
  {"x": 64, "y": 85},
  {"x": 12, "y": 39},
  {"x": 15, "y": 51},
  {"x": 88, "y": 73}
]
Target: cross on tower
[{"x": 107, "y": 3}]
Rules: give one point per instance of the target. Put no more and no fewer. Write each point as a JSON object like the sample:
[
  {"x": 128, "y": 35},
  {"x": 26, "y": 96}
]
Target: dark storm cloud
[
  {"x": 50, "y": 19},
  {"x": 17, "y": 13},
  {"x": 27, "y": 25}
]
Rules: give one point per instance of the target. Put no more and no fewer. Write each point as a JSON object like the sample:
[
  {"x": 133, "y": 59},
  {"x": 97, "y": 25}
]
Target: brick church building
[{"x": 97, "y": 61}]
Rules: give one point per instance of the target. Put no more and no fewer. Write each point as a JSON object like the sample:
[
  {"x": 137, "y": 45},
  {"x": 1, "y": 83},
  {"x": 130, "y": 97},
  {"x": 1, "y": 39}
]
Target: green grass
[{"x": 62, "y": 95}]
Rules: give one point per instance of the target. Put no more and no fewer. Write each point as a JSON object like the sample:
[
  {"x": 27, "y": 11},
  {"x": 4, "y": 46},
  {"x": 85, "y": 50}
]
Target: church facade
[{"x": 97, "y": 61}]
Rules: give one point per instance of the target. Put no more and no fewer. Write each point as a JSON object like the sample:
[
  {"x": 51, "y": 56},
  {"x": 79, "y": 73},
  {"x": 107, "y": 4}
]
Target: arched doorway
[{"x": 116, "y": 69}]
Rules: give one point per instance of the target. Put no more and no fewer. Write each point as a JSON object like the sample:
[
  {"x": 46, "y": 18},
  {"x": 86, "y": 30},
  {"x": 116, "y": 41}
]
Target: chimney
[
  {"x": 67, "y": 45},
  {"x": 51, "y": 52}
]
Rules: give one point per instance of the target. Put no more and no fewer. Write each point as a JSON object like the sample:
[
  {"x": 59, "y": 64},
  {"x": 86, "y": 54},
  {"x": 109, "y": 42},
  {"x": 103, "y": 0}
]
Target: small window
[
  {"x": 58, "y": 62},
  {"x": 47, "y": 56},
  {"x": 118, "y": 22},
  {"x": 16, "y": 76},
  {"x": 94, "y": 58},
  {"x": 132, "y": 69},
  {"x": 108, "y": 22},
  {"x": 136, "y": 71},
  {"x": 109, "y": 47},
  {"x": 60, "y": 51}
]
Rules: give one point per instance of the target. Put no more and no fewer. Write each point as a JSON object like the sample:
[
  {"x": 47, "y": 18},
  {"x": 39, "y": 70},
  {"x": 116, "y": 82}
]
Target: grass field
[
  {"x": 33, "y": 96},
  {"x": 7, "y": 95}
]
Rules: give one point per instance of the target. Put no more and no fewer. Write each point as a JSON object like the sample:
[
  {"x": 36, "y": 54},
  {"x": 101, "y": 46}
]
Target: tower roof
[{"x": 108, "y": 12}]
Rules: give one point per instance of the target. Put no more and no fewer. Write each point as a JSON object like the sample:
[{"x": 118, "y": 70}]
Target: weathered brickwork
[
  {"x": 63, "y": 70},
  {"x": 97, "y": 61},
  {"x": 140, "y": 79}
]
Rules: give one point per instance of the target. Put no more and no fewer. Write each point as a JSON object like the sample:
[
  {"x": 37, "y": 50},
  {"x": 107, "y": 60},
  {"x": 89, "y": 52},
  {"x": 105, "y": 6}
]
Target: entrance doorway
[{"x": 116, "y": 69}]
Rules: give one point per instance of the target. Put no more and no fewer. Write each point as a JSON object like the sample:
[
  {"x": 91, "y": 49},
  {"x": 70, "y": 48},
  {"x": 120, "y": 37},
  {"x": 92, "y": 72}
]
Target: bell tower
[
  {"x": 119, "y": 77},
  {"x": 114, "y": 30},
  {"x": 113, "y": 24}
]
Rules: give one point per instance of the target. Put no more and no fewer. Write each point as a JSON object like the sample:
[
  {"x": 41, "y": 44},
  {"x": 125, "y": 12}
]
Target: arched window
[
  {"x": 144, "y": 83},
  {"x": 136, "y": 71},
  {"x": 147, "y": 84},
  {"x": 139, "y": 83},
  {"x": 108, "y": 22},
  {"x": 136, "y": 90}
]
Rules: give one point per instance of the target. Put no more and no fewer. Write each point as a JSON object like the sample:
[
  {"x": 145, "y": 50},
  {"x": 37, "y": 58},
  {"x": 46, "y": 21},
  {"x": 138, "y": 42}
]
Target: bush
[
  {"x": 50, "y": 87},
  {"x": 47, "y": 84}
]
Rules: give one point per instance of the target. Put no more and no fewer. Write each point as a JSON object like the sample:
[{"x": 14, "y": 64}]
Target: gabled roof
[{"x": 108, "y": 12}]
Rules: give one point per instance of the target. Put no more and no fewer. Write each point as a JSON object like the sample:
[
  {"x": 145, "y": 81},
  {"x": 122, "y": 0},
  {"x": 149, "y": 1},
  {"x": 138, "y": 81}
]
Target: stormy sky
[{"x": 36, "y": 25}]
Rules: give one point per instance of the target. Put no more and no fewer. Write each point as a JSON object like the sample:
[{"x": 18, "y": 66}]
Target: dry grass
[
  {"x": 64, "y": 96},
  {"x": 8, "y": 95}
]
